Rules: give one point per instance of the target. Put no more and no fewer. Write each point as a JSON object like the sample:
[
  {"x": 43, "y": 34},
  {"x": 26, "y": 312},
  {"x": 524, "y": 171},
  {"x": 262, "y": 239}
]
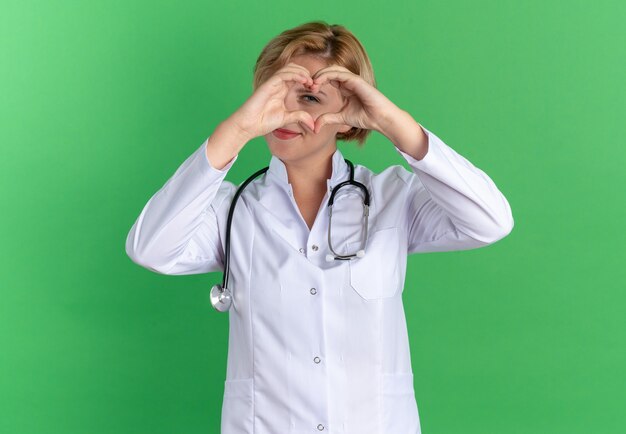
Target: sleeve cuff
[{"x": 433, "y": 158}]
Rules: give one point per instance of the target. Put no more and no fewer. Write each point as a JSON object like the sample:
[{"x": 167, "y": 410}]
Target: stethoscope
[{"x": 220, "y": 294}]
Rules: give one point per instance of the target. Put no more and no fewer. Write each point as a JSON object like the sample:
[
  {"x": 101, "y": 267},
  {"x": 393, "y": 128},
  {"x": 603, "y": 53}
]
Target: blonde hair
[{"x": 332, "y": 43}]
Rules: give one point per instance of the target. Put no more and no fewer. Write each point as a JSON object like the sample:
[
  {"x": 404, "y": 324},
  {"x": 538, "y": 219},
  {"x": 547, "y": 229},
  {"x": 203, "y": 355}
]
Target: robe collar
[{"x": 340, "y": 171}]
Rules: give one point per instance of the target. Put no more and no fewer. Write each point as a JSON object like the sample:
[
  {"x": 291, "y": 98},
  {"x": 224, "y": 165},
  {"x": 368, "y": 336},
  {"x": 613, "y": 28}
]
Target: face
[{"x": 309, "y": 147}]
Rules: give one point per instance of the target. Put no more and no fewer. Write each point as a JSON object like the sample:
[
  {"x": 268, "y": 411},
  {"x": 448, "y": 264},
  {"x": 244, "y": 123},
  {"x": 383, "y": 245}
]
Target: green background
[{"x": 101, "y": 102}]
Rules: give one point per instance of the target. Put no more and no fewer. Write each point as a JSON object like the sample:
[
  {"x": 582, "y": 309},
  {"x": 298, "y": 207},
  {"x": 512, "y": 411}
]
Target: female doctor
[{"x": 317, "y": 333}]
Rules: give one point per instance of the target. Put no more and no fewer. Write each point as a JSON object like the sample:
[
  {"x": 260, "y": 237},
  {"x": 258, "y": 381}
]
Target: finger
[
  {"x": 297, "y": 68},
  {"x": 346, "y": 83},
  {"x": 292, "y": 65},
  {"x": 330, "y": 68},
  {"x": 328, "y": 119},
  {"x": 343, "y": 74},
  {"x": 295, "y": 76},
  {"x": 301, "y": 117},
  {"x": 282, "y": 76},
  {"x": 333, "y": 75}
]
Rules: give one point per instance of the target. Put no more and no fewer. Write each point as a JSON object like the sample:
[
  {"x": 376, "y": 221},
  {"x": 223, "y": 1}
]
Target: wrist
[
  {"x": 239, "y": 134},
  {"x": 387, "y": 123},
  {"x": 407, "y": 134}
]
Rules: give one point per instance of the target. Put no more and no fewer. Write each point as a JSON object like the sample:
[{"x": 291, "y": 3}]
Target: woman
[{"x": 317, "y": 343}]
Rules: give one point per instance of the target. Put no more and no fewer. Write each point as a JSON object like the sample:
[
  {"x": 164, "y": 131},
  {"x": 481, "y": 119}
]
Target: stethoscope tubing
[
  {"x": 230, "y": 220},
  {"x": 223, "y": 295}
]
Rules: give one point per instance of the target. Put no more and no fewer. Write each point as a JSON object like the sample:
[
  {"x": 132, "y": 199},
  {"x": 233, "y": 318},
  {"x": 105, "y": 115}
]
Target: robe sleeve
[
  {"x": 452, "y": 204},
  {"x": 177, "y": 230}
]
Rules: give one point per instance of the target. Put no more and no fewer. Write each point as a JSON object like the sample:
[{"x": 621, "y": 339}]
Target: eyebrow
[{"x": 302, "y": 90}]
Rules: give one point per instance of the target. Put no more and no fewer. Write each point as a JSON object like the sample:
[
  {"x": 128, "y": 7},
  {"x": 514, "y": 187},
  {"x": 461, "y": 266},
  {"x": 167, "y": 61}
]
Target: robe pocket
[
  {"x": 237, "y": 408},
  {"x": 377, "y": 274},
  {"x": 399, "y": 408}
]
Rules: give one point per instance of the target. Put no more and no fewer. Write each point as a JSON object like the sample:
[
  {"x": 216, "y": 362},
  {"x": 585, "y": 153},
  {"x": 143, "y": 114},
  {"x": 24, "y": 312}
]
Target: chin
[{"x": 280, "y": 146}]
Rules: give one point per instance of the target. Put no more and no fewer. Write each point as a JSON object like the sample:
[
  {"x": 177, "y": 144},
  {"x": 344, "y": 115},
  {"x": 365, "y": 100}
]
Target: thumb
[
  {"x": 301, "y": 117},
  {"x": 328, "y": 118}
]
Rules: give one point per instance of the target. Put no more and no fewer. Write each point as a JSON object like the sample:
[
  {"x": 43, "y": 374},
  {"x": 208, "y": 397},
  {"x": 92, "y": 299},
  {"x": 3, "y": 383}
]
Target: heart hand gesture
[{"x": 365, "y": 107}]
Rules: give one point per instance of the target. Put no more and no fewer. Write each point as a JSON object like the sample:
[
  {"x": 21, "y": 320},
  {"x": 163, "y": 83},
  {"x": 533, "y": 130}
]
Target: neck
[{"x": 308, "y": 177}]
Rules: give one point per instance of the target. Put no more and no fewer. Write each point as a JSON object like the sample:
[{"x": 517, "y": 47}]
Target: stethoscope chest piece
[{"x": 220, "y": 299}]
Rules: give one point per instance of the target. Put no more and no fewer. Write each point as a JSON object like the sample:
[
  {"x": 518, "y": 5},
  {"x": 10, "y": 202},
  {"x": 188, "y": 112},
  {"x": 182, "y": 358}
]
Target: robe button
[
  {"x": 301, "y": 250},
  {"x": 313, "y": 291},
  {"x": 320, "y": 427},
  {"x": 314, "y": 247},
  {"x": 317, "y": 359}
]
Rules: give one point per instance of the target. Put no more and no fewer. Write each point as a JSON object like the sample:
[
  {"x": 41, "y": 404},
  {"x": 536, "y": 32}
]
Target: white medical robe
[{"x": 317, "y": 346}]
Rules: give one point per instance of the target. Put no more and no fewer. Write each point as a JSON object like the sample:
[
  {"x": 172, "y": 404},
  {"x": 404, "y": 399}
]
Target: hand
[
  {"x": 265, "y": 110},
  {"x": 366, "y": 107}
]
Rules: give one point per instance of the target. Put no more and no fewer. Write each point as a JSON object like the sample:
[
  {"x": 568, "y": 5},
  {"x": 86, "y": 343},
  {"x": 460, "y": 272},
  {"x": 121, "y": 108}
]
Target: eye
[{"x": 315, "y": 99}]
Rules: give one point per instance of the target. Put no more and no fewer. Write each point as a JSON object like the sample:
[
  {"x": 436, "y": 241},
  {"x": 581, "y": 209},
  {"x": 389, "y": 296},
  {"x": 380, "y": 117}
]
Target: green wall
[{"x": 101, "y": 102}]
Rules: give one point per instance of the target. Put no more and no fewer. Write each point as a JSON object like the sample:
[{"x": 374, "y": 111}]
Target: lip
[{"x": 284, "y": 134}]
